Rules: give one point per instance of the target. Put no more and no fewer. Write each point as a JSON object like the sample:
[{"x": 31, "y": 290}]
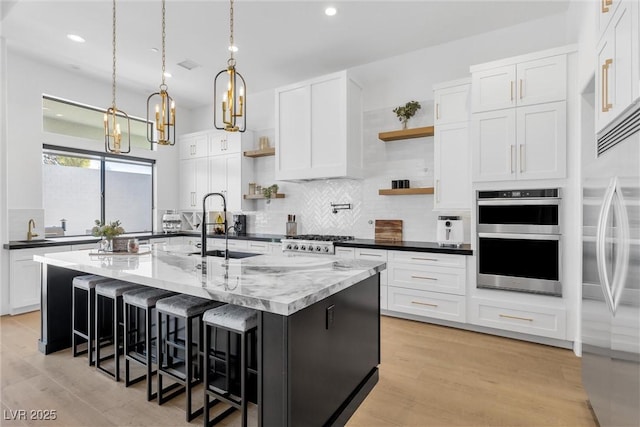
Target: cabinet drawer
[
  {"x": 258, "y": 246},
  {"x": 427, "y": 258},
  {"x": 428, "y": 304},
  {"x": 527, "y": 319},
  {"x": 371, "y": 254},
  {"x": 348, "y": 253},
  {"x": 428, "y": 278},
  {"x": 233, "y": 244}
]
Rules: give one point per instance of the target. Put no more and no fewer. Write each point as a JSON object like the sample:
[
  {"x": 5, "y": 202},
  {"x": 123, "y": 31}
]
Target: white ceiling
[{"x": 280, "y": 42}]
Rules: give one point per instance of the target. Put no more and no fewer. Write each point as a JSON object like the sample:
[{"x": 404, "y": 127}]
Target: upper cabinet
[
  {"x": 194, "y": 145},
  {"x": 319, "y": 129},
  {"x": 452, "y": 164},
  {"x": 519, "y": 84},
  {"x": 518, "y": 125},
  {"x": 617, "y": 59}
]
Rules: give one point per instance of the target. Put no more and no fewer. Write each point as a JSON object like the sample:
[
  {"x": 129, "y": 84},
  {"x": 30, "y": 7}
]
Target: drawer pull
[
  {"x": 376, "y": 255},
  {"x": 424, "y": 259},
  {"x": 506, "y": 316},
  {"x": 423, "y": 277},
  {"x": 424, "y": 303}
]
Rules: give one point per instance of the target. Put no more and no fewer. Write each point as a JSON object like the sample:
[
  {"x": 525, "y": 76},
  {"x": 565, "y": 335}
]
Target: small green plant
[
  {"x": 407, "y": 111},
  {"x": 109, "y": 231},
  {"x": 267, "y": 192}
]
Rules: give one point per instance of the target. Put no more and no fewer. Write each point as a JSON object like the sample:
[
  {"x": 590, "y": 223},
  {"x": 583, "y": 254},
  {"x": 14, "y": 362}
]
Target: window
[{"x": 82, "y": 186}]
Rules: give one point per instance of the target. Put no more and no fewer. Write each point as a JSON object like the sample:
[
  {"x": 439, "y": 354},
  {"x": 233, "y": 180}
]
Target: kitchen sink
[{"x": 232, "y": 254}]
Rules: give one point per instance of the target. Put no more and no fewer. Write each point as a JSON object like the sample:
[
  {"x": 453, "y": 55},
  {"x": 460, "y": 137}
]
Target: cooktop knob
[
  {"x": 303, "y": 248},
  {"x": 326, "y": 249},
  {"x": 289, "y": 246},
  {"x": 295, "y": 247},
  {"x": 310, "y": 248}
]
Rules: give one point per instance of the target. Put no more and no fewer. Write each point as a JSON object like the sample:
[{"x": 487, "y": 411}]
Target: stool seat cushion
[
  {"x": 145, "y": 297},
  {"x": 185, "y": 305},
  {"x": 89, "y": 281},
  {"x": 234, "y": 317},
  {"x": 115, "y": 288}
]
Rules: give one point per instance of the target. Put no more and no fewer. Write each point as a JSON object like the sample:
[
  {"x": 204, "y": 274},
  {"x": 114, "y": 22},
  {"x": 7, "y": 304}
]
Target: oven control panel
[{"x": 520, "y": 194}]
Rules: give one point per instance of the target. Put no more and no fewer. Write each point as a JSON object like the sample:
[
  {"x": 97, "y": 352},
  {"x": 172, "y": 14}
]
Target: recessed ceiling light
[
  {"x": 233, "y": 48},
  {"x": 76, "y": 38},
  {"x": 167, "y": 74},
  {"x": 330, "y": 11},
  {"x": 59, "y": 115},
  {"x": 154, "y": 50}
]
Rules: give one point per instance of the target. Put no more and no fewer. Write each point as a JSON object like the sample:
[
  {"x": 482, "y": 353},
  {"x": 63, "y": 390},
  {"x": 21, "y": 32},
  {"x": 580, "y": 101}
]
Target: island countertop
[{"x": 277, "y": 284}]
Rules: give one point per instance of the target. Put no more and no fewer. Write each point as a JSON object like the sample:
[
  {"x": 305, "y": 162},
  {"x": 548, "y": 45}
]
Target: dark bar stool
[
  {"x": 110, "y": 292},
  {"x": 82, "y": 312},
  {"x": 139, "y": 334},
  {"x": 223, "y": 387},
  {"x": 176, "y": 317}
]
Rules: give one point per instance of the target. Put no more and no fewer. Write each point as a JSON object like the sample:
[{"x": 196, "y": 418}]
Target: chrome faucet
[
  {"x": 203, "y": 246},
  {"x": 32, "y": 226}
]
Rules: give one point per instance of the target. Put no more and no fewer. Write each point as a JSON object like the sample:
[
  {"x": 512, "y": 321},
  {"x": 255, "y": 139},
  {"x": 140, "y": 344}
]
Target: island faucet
[
  {"x": 32, "y": 226},
  {"x": 203, "y": 231}
]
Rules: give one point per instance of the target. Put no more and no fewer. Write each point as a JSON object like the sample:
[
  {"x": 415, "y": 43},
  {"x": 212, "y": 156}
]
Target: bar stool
[
  {"x": 105, "y": 293},
  {"x": 243, "y": 322},
  {"x": 139, "y": 335},
  {"x": 175, "y": 350},
  {"x": 82, "y": 312}
]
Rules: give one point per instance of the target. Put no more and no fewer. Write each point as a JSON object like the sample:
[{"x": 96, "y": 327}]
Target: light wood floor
[{"x": 429, "y": 376}]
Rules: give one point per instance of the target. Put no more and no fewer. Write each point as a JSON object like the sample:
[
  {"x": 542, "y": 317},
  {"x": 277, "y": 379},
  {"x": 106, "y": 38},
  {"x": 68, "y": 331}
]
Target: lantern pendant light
[
  {"x": 114, "y": 120},
  {"x": 233, "y": 89},
  {"x": 163, "y": 130}
]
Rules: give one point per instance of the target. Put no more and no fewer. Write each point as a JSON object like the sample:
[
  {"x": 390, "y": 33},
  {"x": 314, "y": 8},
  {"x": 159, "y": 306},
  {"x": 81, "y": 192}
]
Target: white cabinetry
[
  {"x": 452, "y": 163},
  {"x": 194, "y": 145},
  {"x": 258, "y": 246},
  {"x": 522, "y": 143},
  {"x": 617, "y": 67},
  {"x": 523, "y": 83},
  {"x": 25, "y": 278},
  {"x": 427, "y": 284},
  {"x": 518, "y": 129},
  {"x": 221, "y": 169},
  {"x": 524, "y": 318},
  {"x": 319, "y": 129},
  {"x": 376, "y": 255}
]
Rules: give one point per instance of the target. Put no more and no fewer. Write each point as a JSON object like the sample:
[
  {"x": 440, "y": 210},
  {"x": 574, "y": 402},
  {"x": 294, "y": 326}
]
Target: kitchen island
[{"x": 318, "y": 322}]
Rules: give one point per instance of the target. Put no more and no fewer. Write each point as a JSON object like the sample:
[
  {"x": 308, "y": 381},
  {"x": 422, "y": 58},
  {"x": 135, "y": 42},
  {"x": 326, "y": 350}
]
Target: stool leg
[
  {"x": 148, "y": 338},
  {"x": 126, "y": 320},
  {"x": 98, "y": 335},
  {"x": 159, "y": 353},
  {"x": 243, "y": 378},
  {"x": 91, "y": 308},
  {"x": 73, "y": 323},
  {"x": 116, "y": 339},
  {"x": 205, "y": 375}
]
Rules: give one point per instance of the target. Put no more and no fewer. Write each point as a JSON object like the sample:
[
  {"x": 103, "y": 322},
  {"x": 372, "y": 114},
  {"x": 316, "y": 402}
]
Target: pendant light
[
  {"x": 114, "y": 140},
  {"x": 232, "y": 101},
  {"x": 163, "y": 130}
]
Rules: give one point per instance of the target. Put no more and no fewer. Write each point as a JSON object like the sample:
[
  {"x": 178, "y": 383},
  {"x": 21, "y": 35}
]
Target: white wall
[
  {"x": 26, "y": 81},
  {"x": 386, "y": 84},
  {"x": 4, "y": 162}
]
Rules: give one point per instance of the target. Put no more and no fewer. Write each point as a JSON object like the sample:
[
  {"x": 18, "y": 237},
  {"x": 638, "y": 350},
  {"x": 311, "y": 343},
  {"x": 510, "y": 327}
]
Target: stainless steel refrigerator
[{"x": 611, "y": 271}]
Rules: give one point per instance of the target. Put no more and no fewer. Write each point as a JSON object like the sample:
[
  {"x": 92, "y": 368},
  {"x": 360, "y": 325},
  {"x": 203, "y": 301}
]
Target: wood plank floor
[{"x": 429, "y": 376}]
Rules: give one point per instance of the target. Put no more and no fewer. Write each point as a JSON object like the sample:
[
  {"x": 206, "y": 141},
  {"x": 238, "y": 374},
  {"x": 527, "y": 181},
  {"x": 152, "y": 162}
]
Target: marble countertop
[{"x": 274, "y": 283}]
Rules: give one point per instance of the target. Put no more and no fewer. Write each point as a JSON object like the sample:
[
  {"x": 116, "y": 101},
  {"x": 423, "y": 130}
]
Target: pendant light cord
[
  {"x": 113, "y": 86},
  {"x": 163, "y": 85},
  {"x": 231, "y": 45}
]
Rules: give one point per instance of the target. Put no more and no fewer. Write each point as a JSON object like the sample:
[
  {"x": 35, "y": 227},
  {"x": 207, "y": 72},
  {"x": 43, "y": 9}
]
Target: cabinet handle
[
  {"x": 375, "y": 255},
  {"x": 606, "y": 106},
  {"x": 437, "y": 190},
  {"x": 423, "y": 277},
  {"x": 511, "y": 158},
  {"x": 506, "y": 316},
  {"x": 437, "y": 111},
  {"x": 511, "y": 88},
  {"x": 520, "y": 88},
  {"x": 606, "y": 3},
  {"x": 424, "y": 259},
  {"x": 424, "y": 303},
  {"x": 521, "y": 158}
]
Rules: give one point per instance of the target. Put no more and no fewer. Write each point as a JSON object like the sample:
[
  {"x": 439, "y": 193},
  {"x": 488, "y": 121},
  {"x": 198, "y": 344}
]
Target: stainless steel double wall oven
[{"x": 519, "y": 240}]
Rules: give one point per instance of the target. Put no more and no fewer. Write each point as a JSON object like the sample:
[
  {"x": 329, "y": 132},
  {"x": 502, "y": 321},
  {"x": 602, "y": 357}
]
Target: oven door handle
[
  {"x": 519, "y": 202},
  {"x": 520, "y": 236}
]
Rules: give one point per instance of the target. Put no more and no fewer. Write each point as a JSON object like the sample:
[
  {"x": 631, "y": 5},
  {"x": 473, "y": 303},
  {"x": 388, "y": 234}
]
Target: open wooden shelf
[
  {"x": 260, "y": 196},
  {"x": 404, "y": 191},
  {"x": 271, "y": 151},
  {"x": 406, "y": 134}
]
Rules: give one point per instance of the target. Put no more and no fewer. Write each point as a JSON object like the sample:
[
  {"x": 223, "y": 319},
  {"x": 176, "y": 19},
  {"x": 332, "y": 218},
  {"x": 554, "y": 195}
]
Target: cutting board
[{"x": 388, "y": 230}]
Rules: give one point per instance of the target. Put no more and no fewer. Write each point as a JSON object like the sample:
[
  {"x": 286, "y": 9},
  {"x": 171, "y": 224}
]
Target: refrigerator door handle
[
  {"x": 623, "y": 238},
  {"x": 601, "y": 236}
]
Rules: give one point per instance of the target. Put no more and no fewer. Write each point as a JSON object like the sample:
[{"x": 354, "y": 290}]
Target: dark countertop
[
  {"x": 272, "y": 238},
  {"x": 406, "y": 246}
]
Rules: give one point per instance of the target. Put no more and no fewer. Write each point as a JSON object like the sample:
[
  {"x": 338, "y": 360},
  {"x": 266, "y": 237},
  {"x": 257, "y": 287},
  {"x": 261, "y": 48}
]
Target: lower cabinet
[
  {"x": 427, "y": 284},
  {"x": 524, "y": 318},
  {"x": 258, "y": 247},
  {"x": 25, "y": 278}
]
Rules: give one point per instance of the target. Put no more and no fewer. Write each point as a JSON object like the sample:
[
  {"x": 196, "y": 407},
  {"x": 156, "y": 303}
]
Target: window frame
[{"x": 103, "y": 157}]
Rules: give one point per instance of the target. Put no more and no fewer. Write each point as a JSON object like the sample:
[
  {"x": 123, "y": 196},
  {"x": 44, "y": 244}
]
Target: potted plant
[
  {"x": 107, "y": 231},
  {"x": 267, "y": 192},
  {"x": 407, "y": 111}
]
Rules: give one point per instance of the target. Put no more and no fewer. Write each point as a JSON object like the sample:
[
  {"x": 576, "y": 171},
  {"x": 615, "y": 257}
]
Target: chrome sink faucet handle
[{"x": 31, "y": 227}]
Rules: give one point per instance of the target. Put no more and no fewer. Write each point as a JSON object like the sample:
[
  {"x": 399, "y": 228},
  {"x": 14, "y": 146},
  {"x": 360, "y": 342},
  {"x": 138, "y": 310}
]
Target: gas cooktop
[
  {"x": 320, "y": 237},
  {"x": 312, "y": 243}
]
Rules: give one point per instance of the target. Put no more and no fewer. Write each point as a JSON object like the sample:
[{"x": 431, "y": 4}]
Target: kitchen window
[{"x": 81, "y": 186}]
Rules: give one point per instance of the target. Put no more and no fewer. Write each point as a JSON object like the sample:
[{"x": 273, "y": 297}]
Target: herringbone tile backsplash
[{"x": 311, "y": 201}]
